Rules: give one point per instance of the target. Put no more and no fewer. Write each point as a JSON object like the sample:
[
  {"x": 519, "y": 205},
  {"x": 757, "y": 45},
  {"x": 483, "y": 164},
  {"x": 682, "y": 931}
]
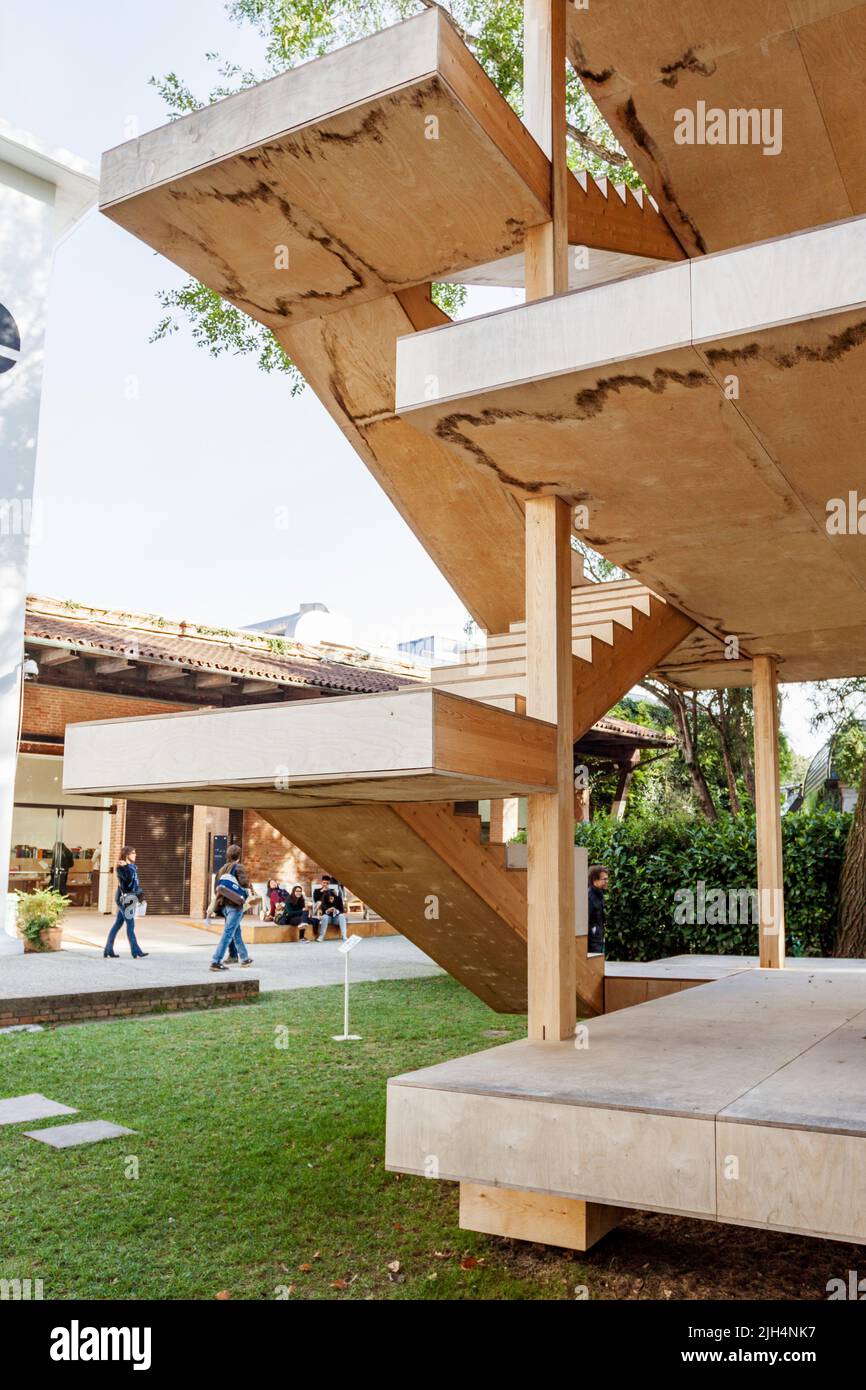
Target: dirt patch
[{"x": 670, "y": 1257}]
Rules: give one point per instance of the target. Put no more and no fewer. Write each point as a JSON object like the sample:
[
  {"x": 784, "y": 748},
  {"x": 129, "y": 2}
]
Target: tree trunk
[
  {"x": 689, "y": 750},
  {"x": 742, "y": 739},
  {"x": 722, "y": 724},
  {"x": 851, "y": 935}
]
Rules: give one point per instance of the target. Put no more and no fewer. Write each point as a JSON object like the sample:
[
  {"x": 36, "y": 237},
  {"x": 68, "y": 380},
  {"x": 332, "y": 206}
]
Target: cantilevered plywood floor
[
  {"x": 706, "y": 415},
  {"x": 800, "y": 61},
  {"x": 728, "y": 1102},
  {"x": 411, "y": 745},
  {"x": 322, "y": 202}
]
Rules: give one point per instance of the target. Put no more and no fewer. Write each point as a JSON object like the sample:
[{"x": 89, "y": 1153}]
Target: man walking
[{"x": 232, "y": 894}]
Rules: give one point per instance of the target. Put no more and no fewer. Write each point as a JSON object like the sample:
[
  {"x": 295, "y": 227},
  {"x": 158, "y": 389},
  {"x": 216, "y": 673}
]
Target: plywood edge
[
  {"x": 386, "y": 47},
  {"x": 471, "y": 86}
]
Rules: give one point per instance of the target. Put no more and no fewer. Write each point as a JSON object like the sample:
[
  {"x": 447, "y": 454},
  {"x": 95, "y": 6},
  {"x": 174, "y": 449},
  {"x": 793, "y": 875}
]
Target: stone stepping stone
[
  {"x": 67, "y": 1136},
  {"x": 17, "y": 1109}
]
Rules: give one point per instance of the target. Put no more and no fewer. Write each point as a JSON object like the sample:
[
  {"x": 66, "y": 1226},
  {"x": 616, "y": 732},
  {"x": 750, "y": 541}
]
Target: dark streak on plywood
[
  {"x": 689, "y": 62},
  {"x": 836, "y": 347},
  {"x": 630, "y": 119}
]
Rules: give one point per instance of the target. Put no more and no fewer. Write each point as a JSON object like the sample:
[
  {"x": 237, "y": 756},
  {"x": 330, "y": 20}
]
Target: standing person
[
  {"x": 598, "y": 882},
  {"x": 95, "y": 862},
  {"x": 129, "y": 894},
  {"x": 62, "y": 860},
  {"x": 233, "y": 894},
  {"x": 295, "y": 914},
  {"x": 332, "y": 909}
]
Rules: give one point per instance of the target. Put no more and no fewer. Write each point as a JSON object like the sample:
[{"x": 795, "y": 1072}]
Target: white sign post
[
  {"x": 345, "y": 951},
  {"x": 42, "y": 197}
]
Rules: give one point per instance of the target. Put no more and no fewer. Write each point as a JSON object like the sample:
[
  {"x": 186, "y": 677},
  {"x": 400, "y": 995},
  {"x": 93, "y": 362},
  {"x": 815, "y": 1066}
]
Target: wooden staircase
[
  {"x": 422, "y": 864},
  {"x": 619, "y": 631}
]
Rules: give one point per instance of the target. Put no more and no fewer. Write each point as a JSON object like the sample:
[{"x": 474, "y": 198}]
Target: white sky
[{"x": 165, "y": 502}]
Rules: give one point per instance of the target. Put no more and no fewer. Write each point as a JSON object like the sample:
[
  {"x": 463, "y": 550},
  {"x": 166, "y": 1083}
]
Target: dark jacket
[
  {"x": 596, "y": 918},
  {"x": 328, "y": 898},
  {"x": 294, "y": 911},
  {"x": 127, "y": 882}
]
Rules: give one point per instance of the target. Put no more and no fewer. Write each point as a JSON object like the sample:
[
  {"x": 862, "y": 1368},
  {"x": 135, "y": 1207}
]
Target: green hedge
[{"x": 649, "y": 860}]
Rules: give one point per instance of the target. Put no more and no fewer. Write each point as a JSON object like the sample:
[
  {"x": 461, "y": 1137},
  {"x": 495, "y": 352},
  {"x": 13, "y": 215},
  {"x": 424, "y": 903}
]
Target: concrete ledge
[{"x": 75, "y": 1008}]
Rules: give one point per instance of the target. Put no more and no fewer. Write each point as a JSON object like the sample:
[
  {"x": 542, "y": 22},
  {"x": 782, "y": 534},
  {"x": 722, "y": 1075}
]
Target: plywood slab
[
  {"x": 715, "y": 496},
  {"x": 415, "y": 744},
  {"x": 654, "y": 1103},
  {"x": 645, "y": 63},
  {"x": 385, "y": 164}
]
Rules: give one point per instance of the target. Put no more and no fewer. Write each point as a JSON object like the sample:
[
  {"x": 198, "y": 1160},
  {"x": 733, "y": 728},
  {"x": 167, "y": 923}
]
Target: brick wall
[
  {"x": 122, "y": 1003},
  {"x": 48, "y": 708},
  {"x": 268, "y": 854}
]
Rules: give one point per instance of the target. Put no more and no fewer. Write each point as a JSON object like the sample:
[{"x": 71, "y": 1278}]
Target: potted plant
[{"x": 39, "y": 917}]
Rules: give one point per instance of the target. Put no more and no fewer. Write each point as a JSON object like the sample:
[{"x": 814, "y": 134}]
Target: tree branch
[{"x": 589, "y": 145}]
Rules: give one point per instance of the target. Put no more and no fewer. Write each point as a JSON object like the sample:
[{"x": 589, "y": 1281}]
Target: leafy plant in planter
[{"x": 39, "y": 917}]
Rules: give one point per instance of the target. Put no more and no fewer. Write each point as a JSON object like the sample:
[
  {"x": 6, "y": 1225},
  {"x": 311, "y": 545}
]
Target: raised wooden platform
[{"x": 730, "y": 1103}]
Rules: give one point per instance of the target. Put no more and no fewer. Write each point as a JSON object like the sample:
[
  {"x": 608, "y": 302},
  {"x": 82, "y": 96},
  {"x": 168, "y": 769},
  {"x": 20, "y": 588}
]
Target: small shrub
[{"x": 38, "y": 912}]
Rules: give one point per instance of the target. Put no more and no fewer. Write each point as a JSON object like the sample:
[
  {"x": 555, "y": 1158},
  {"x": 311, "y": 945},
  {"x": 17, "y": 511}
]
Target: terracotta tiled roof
[
  {"x": 654, "y": 738},
  {"x": 194, "y": 647}
]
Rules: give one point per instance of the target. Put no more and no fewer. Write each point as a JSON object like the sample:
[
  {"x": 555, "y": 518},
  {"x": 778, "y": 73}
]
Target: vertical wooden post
[
  {"x": 768, "y": 820},
  {"x": 546, "y": 246},
  {"x": 550, "y": 871},
  {"x": 625, "y": 772},
  {"x": 503, "y": 820}
]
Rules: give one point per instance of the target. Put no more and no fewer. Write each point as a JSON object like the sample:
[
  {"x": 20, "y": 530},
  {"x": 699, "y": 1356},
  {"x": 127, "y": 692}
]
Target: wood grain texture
[
  {"x": 533, "y": 1216},
  {"x": 546, "y": 246},
  {"x": 451, "y": 506},
  {"x": 768, "y": 815},
  {"x": 658, "y": 1111},
  {"x": 417, "y": 743},
  {"x": 550, "y": 824},
  {"x": 438, "y": 892},
  {"x": 800, "y": 59}
]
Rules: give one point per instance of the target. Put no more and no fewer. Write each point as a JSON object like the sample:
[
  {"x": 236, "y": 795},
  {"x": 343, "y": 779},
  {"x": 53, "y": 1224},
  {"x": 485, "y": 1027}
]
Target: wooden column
[
  {"x": 504, "y": 820},
  {"x": 620, "y": 800},
  {"x": 546, "y": 246},
  {"x": 768, "y": 820},
  {"x": 550, "y": 876}
]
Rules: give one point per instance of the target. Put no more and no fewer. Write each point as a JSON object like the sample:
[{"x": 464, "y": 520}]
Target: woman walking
[{"x": 128, "y": 895}]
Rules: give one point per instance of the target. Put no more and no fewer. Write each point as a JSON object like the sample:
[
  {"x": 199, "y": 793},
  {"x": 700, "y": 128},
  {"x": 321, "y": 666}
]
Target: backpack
[{"x": 229, "y": 891}]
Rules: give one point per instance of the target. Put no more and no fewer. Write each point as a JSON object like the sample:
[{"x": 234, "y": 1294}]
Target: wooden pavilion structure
[{"x": 700, "y": 396}]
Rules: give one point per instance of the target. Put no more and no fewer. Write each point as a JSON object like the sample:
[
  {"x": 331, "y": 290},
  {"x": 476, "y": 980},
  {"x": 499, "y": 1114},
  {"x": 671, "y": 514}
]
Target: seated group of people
[{"x": 290, "y": 909}]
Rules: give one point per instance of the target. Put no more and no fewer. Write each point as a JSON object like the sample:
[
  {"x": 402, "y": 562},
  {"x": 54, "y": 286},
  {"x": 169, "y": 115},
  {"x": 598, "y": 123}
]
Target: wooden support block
[
  {"x": 768, "y": 820},
  {"x": 536, "y": 1216},
  {"x": 550, "y": 863},
  {"x": 546, "y": 246}
]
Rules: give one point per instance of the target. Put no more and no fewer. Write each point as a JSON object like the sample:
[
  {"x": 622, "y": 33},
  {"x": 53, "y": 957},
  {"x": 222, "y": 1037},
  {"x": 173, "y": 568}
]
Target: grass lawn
[{"x": 260, "y": 1170}]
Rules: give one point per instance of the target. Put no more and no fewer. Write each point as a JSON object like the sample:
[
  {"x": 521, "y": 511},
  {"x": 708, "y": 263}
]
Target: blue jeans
[
  {"x": 129, "y": 923},
  {"x": 338, "y": 921},
  {"x": 231, "y": 932}
]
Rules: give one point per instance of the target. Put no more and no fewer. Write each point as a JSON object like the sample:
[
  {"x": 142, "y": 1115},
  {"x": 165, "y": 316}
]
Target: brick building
[{"x": 93, "y": 664}]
